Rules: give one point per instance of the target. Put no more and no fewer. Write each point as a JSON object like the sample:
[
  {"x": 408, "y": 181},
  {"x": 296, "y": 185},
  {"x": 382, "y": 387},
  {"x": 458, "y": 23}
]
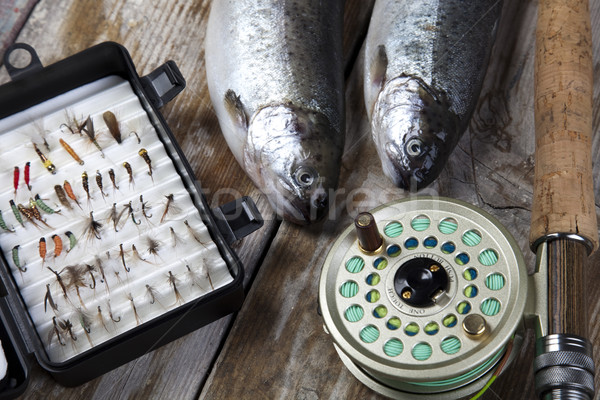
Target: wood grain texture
[
  {"x": 275, "y": 347},
  {"x": 563, "y": 198},
  {"x": 13, "y": 14}
]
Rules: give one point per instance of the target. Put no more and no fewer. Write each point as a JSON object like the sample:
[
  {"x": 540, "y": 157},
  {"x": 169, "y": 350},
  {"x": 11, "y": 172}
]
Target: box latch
[
  {"x": 163, "y": 84},
  {"x": 237, "y": 219}
]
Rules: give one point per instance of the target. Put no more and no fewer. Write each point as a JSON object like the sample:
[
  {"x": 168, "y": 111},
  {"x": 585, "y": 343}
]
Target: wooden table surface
[{"x": 275, "y": 346}]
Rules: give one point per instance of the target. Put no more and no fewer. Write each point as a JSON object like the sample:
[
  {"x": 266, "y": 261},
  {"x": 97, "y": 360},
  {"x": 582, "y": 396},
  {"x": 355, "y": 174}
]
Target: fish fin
[
  {"x": 379, "y": 67},
  {"x": 235, "y": 109}
]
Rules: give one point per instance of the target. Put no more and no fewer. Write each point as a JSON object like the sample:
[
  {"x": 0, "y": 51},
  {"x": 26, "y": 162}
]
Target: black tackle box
[{"x": 108, "y": 247}]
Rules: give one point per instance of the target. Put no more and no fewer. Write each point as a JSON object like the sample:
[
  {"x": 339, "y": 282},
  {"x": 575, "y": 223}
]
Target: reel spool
[{"x": 428, "y": 314}]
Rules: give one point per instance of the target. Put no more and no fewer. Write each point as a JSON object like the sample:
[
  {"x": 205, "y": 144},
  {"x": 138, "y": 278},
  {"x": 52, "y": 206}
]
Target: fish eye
[
  {"x": 305, "y": 176},
  {"x": 414, "y": 147}
]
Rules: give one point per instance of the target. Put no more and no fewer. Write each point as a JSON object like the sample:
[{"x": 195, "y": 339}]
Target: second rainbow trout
[{"x": 424, "y": 67}]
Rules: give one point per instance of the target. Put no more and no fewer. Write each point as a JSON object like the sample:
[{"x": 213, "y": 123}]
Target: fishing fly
[
  {"x": 16, "y": 175},
  {"x": 75, "y": 279},
  {"x": 100, "y": 318},
  {"x": 90, "y": 269},
  {"x": 49, "y": 300},
  {"x": 100, "y": 267},
  {"x": 175, "y": 239},
  {"x": 35, "y": 212},
  {"x": 194, "y": 277},
  {"x": 69, "y": 190},
  {"x": 129, "y": 209},
  {"x": 170, "y": 207},
  {"x": 3, "y": 224},
  {"x": 72, "y": 124},
  {"x": 58, "y": 245},
  {"x": 99, "y": 184},
  {"x": 138, "y": 255},
  {"x": 88, "y": 128},
  {"x": 16, "y": 212},
  {"x": 45, "y": 161},
  {"x": 127, "y": 167},
  {"x": 113, "y": 125},
  {"x": 144, "y": 154},
  {"x": 153, "y": 246},
  {"x": 26, "y": 174},
  {"x": 42, "y": 249},
  {"x": 204, "y": 270},
  {"x": 43, "y": 206},
  {"x": 17, "y": 260},
  {"x": 26, "y": 212},
  {"x": 114, "y": 216},
  {"x": 61, "y": 283},
  {"x": 111, "y": 175},
  {"x": 72, "y": 240},
  {"x": 62, "y": 196},
  {"x": 122, "y": 255},
  {"x": 85, "y": 184},
  {"x": 152, "y": 294},
  {"x": 110, "y": 314},
  {"x": 57, "y": 331},
  {"x": 138, "y": 320},
  {"x": 71, "y": 152},
  {"x": 173, "y": 281},
  {"x": 145, "y": 208},
  {"x": 85, "y": 322},
  {"x": 93, "y": 228},
  {"x": 194, "y": 234}
]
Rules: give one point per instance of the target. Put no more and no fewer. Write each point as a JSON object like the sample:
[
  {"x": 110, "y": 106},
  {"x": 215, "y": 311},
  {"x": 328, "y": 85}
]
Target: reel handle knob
[{"x": 370, "y": 240}]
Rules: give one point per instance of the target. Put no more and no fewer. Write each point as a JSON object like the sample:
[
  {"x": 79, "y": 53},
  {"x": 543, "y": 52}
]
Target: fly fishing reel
[{"x": 426, "y": 305}]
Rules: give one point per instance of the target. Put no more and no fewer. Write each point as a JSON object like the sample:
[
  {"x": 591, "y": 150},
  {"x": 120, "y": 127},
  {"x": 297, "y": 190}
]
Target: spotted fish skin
[
  {"x": 425, "y": 62},
  {"x": 275, "y": 76}
]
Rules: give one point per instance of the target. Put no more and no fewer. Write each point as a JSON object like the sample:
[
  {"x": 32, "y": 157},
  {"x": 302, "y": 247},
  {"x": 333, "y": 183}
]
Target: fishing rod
[{"x": 564, "y": 229}]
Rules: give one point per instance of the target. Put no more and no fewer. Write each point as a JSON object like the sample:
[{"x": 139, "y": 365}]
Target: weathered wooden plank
[
  {"x": 277, "y": 348},
  {"x": 59, "y": 29},
  {"x": 13, "y": 14}
]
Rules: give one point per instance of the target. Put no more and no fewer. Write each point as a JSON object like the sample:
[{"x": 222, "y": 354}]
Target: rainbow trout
[
  {"x": 425, "y": 62},
  {"x": 275, "y": 77}
]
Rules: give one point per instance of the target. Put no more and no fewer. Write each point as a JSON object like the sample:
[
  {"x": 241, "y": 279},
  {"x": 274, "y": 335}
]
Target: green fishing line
[
  {"x": 369, "y": 334},
  {"x": 450, "y": 345},
  {"x": 349, "y": 289},
  {"x": 393, "y": 347},
  {"x": 420, "y": 223},
  {"x": 488, "y": 257},
  {"x": 421, "y": 351},
  {"x": 490, "y": 307},
  {"x": 355, "y": 264},
  {"x": 354, "y": 313},
  {"x": 448, "y": 226},
  {"x": 495, "y": 281},
  {"x": 393, "y": 229},
  {"x": 471, "y": 238}
]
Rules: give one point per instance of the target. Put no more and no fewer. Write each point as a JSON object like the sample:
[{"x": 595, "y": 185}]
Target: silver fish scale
[
  {"x": 438, "y": 41},
  {"x": 265, "y": 72}
]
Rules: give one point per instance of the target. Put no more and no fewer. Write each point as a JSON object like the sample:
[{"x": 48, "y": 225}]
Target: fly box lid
[{"x": 108, "y": 248}]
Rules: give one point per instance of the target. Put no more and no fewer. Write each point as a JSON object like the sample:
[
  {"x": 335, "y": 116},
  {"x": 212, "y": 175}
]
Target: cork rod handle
[{"x": 563, "y": 200}]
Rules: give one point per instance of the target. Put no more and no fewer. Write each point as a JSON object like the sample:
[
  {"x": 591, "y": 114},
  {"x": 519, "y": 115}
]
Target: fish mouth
[
  {"x": 300, "y": 210},
  {"x": 293, "y": 154}
]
